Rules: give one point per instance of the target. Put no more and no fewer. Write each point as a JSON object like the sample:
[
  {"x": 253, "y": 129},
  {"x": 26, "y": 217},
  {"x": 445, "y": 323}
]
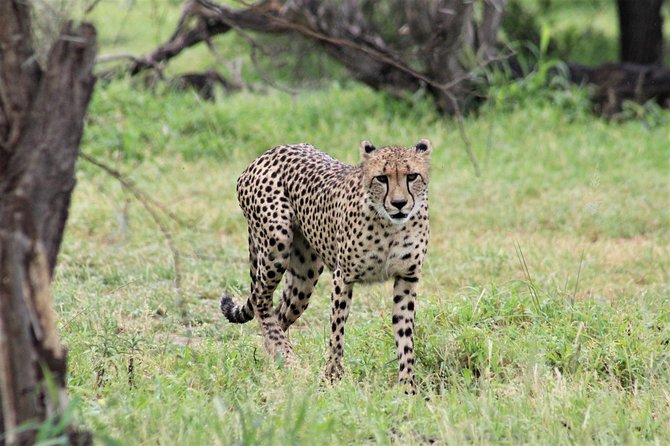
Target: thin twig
[
  {"x": 112, "y": 57},
  {"x": 255, "y": 46},
  {"x": 464, "y": 136},
  {"x": 264, "y": 75},
  {"x": 150, "y": 205},
  {"x": 236, "y": 81},
  {"x": 91, "y": 7},
  {"x": 130, "y": 185}
]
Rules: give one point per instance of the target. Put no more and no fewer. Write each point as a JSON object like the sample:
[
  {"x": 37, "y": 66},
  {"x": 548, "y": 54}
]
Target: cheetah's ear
[
  {"x": 367, "y": 148},
  {"x": 424, "y": 147}
]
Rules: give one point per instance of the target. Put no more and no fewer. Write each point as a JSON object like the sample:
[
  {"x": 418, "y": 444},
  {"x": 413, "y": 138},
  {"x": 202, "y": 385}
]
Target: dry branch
[{"x": 619, "y": 82}]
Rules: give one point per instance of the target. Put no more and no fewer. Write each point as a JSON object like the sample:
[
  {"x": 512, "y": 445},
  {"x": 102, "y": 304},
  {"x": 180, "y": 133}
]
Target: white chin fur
[
  {"x": 396, "y": 221},
  {"x": 399, "y": 221}
]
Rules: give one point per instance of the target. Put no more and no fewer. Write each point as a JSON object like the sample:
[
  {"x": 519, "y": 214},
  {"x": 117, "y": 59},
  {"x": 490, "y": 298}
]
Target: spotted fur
[{"x": 366, "y": 223}]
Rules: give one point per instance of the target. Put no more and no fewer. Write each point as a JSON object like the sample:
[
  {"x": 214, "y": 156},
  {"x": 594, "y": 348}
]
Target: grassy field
[{"x": 544, "y": 311}]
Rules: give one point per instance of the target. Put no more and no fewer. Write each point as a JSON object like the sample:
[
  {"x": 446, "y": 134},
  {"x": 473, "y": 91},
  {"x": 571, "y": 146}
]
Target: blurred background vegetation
[{"x": 580, "y": 31}]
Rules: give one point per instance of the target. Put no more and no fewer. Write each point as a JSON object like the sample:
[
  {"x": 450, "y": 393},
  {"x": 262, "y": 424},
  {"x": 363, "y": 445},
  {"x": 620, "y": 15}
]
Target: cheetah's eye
[
  {"x": 382, "y": 179},
  {"x": 412, "y": 176}
]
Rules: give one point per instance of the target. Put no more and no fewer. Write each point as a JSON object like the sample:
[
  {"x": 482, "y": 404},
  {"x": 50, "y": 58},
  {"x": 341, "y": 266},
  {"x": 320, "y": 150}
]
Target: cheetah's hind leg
[{"x": 303, "y": 273}]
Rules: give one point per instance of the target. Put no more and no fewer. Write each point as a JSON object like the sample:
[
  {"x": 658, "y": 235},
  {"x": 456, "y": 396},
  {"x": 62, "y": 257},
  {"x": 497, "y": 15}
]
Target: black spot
[
  {"x": 410, "y": 306},
  {"x": 369, "y": 148},
  {"x": 397, "y": 298},
  {"x": 408, "y": 331},
  {"x": 421, "y": 147},
  {"x": 281, "y": 246},
  {"x": 338, "y": 290}
]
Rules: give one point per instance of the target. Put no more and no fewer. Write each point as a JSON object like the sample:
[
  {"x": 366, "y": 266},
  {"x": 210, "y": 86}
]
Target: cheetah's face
[{"x": 396, "y": 179}]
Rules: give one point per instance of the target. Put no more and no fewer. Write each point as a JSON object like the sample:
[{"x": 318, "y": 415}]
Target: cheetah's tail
[{"x": 237, "y": 314}]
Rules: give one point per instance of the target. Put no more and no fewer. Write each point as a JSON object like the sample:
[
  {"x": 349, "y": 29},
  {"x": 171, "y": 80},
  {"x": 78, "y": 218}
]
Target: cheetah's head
[{"x": 396, "y": 178}]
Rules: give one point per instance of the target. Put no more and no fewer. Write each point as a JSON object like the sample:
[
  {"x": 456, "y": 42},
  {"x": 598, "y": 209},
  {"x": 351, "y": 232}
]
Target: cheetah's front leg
[
  {"x": 404, "y": 296},
  {"x": 339, "y": 311}
]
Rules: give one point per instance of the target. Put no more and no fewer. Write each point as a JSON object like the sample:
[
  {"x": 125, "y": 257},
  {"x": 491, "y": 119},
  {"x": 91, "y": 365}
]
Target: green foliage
[
  {"x": 584, "y": 32},
  {"x": 140, "y": 126},
  {"x": 545, "y": 81}
]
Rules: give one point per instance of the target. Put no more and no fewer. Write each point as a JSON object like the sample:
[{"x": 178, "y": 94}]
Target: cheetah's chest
[{"x": 381, "y": 255}]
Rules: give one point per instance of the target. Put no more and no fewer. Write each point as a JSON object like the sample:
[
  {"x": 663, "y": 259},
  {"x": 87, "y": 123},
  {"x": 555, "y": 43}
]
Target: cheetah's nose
[{"x": 399, "y": 204}]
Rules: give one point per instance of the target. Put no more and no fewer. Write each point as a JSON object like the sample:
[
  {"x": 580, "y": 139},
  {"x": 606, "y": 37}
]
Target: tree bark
[
  {"x": 41, "y": 122},
  {"x": 641, "y": 31}
]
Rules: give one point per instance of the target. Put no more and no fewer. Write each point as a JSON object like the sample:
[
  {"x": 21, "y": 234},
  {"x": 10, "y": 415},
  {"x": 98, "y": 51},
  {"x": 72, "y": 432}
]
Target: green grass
[
  {"x": 573, "y": 352},
  {"x": 584, "y": 362}
]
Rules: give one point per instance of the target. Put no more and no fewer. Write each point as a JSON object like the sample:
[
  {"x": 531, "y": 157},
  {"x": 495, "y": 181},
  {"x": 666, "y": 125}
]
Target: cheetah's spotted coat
[{"x": 366, "y": 223}]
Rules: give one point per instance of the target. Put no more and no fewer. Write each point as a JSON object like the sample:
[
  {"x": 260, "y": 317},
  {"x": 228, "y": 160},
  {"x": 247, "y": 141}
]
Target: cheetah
[{"x": 366, "y": 223}]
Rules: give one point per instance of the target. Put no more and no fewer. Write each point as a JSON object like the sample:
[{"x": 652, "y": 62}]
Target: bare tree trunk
[
  {"x": 641, "y": 31},
  {"x": 41, "y": 123}
]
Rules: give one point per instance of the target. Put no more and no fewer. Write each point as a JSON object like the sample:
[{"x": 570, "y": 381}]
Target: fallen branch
[
  {"x": 619, "y": 82},
  {"x": 203, "y": 83}
]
